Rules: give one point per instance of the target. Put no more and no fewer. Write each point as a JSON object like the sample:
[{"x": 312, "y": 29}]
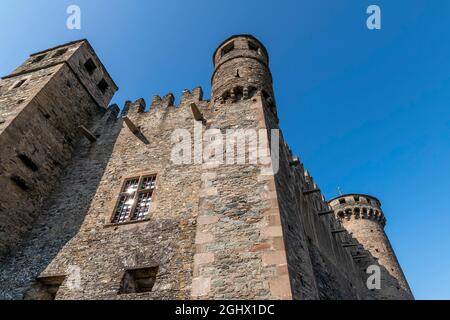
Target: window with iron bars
[{"x": 135, "y": 199}]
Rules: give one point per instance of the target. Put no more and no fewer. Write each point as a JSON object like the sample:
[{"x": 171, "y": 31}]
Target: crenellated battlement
[
  {"x": 307, "y": 184},
  {"x": 159, "y": 104},
  {"x": 134, "y": 107},
  {"x": 358, "y": 206},
  {"x": 189, "y": 96},
  {"x": 361, "y": 212},
  {"x": 147, "y": 180}
]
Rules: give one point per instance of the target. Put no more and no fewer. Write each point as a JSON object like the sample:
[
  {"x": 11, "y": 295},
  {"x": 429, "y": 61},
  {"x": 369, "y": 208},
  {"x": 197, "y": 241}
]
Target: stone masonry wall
[
  {"x": 362, "y": 216},
  {"x": 104, "y": 250},
  {"x": 319, "y": 267},
  {"x": 217, "y": 228},
  {"x": 239, "y": 245},
  {"x": 63, "y": 212},
  {"x": 37, "y": 144},
  {"x": 42, "y": 105}
]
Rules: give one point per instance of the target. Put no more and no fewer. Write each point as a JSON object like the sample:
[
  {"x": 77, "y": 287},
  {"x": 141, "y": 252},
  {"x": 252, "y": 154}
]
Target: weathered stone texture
[
  {"x": 62, "y": 214},
  {"x": 42, "y": 105},
  {"x": 363, "y": 217},
  {"x": 216, "y": 230},
  {"x": 239, "y": 236}
]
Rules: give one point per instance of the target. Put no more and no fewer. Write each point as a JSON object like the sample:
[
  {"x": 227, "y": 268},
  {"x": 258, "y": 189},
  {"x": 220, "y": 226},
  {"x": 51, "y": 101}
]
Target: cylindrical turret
[
  {"x": 361, "y": 215},
  {"x": 241, "y": 69}
]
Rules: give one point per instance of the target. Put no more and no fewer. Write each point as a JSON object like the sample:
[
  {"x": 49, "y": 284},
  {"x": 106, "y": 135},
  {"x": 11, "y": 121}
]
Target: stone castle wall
[
  {"x": 43, "y": 103},
  {"x": 215, "y": 230}
]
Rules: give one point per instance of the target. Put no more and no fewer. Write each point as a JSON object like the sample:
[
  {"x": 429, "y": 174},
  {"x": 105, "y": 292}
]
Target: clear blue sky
[{"x": 367, "y": 111}]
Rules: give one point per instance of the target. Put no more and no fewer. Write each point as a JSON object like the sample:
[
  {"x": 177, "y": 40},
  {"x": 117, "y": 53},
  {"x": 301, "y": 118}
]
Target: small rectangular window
[
  {"x": 45, "y": 288},
  {"x": 341, "y": 201},
  {"x": 228, "y": 48},
  {"x": 38, "y": 58},
  {"x": 252, "y": 46},
  {"x": 90, "y": 66},
  {"x": 28, "y": 162},
  {"x": 59, "y": 53},
  {"x": 103, "y": 86},
  {"x": 356, "y": 198},
  {"x": 20, "y": 182},
  {"x": 138, "y": 280},
  {"x": 19, "y": 84},
  {"x": 135, "y": 199}
]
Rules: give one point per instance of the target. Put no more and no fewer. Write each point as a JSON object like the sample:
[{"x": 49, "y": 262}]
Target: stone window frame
[
  {"x": 147, "y": 273},
  {"x": 90, "y": 66},
  {"x": 60, "y": 52},
  {"x": 227, "y": 48},
  {"x": 120, "y": 192},
  {"x": 254, "y": 47},
  {"x": 103, "y": 86},
  {"x": 38, "y": 58},
  {"x": 24, "y": 81},
  {"x": 45, "y": 287}
]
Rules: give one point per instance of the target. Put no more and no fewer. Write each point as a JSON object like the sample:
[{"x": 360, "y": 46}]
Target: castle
[{"x": 92, "y": 207}]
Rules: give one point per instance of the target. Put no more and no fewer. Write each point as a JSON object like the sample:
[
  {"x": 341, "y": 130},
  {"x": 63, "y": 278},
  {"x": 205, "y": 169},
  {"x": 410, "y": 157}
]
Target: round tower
[
  {"x": 361, "y": 215},
  {"x": 241, "y": 69}
]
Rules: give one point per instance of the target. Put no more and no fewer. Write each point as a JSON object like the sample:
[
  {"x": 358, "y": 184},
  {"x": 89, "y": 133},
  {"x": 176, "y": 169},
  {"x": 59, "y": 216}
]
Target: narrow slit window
[
  {"x": 59, "y": 53},
  {"x": 38, "y": 58},
  {"x": 28, "y": 162},
  {"x": 19, "y": 84},
  {"x": 135, "y": 199},
  {"x": 20, "y": 182}
]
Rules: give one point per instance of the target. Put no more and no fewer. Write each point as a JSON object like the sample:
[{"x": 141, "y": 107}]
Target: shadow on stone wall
[
  {"x": 63, "y": 212},
  {"x": 331, "y": 286}
]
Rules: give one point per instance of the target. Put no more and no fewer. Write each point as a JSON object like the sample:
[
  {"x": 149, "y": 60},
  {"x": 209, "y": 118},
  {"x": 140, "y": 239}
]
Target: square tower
[{"x": 43, "y": 103}]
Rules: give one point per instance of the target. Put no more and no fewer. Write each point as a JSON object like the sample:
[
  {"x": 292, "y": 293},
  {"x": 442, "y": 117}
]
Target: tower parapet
[
  {"x": 362, "y": 217},
  {"x": 46, "y": 105},
  {"x": 241, "y": 69},
  {"x": 358, "y": 206}
]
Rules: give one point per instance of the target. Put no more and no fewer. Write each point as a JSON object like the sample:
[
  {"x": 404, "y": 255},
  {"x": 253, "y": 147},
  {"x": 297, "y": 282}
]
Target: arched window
[
  {"x": 238, "y": 92},
  {"x": 225, "y": 96}
]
